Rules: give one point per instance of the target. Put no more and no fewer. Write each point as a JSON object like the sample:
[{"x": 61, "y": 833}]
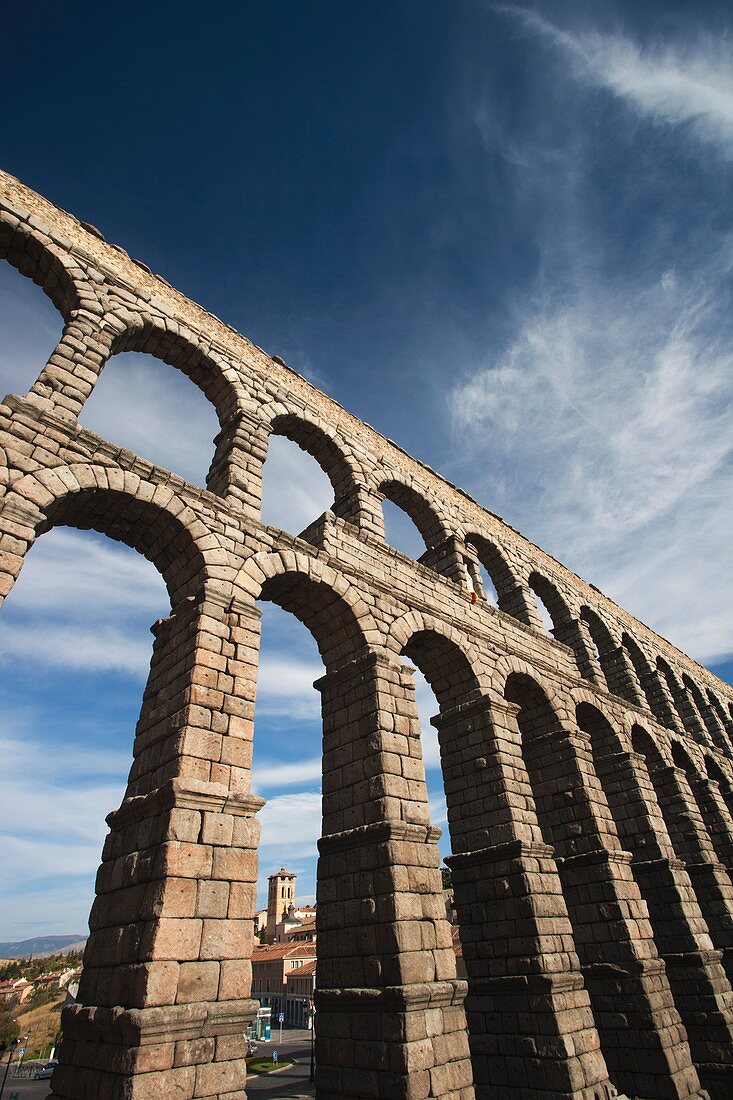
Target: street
[{"x": 287, "y": 1084}]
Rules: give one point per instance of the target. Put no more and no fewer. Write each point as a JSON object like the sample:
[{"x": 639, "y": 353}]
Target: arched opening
[
  {"x": 494, "y": 575},
  {"x": 716, "y": 773},
  {"x": 691, "y": 842},
  {"x": 648, "y": 677},
  {"x": 690, "y": 721},
  {"x": 551, "y": 607},
  {"x": 630, "y": 797},
  {"x": 329, "y": 455},
  {"x": 604, "y": 739},
  {"x": 75, "y": 649},
  {"x": 210, "y": 374},
  {"x": 460, "y": 779},
  {"x": 373, "y": 781},
  {"x": 287, "y": 772},
  {"x": 37, "y": 261},
  {"x": 447, "y": 682},
  {"x": 574, "y": 818},
  {"x": 480, "y": 581},
  {"x": 682, "y": 760},
  {"x": 80, "y": 651},
  {"x": 295, "y": 489},
  {"x": 724, "y": 720},
  {"x": 141, "y": 404},
  {"x": 609, "y": 658},
  {"x": 30, "y": 329},
  {"x": 560, "y": 795},
  {"x": 643, "y": 743},
  {"x": 600, "y": 639},
  {"x": 411, "y": 526},
  {"x": 676, "y": 920},
  {"x": 705, "y": 712},
  {"x": 709, "y": 803}
]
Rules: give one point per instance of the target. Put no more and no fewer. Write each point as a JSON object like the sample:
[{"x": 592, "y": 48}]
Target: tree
[
  {"x": 9, "y": 1029},
  {"x": 446, "y": 876}
]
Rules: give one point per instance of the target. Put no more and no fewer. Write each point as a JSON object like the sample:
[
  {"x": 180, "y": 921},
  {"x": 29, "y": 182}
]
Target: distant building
[
  {"x": 292, "y": 923},
  {"x": 280, "y": 896},
  {"x": 304, "y": 932},
  {"x": 300, "y": 986},
  {"x": 15, "y": 991},
  {"x": 272, "y": 967}
]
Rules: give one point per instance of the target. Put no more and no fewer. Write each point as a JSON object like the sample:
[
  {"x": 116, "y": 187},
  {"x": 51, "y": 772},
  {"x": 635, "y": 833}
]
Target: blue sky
[{"x": 499, "y": 233}]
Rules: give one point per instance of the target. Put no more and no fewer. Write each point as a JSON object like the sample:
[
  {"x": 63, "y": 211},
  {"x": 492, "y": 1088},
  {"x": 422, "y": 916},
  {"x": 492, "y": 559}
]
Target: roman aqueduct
[{"x": 588, "y": 772}]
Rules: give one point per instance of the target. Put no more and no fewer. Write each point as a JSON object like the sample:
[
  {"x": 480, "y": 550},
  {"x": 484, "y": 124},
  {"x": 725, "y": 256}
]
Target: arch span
[
  {"x": 323, "y": 600},
  {"x": 182, "y": 349},
  {"x": 605, "y": 738},
  {"x": 54, "y": 271},
  {"x": 643, "y": 743},
  {"x": 324, "y": 445},
  {"x": 495, "y": 564},
  {"x": 151, "y": 520},
  {"x": 550, "y": 595},
  {"x": 416, "y": 505},
  {"x": 445, "y": 666}
]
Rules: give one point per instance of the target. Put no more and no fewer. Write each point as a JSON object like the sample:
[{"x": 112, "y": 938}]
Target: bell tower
[{"x": 280, "y": 896}]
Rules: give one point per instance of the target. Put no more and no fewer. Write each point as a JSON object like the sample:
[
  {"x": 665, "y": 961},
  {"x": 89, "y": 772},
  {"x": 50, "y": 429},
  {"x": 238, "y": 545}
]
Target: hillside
[
  {"x": 42, "y": 1023},
  {"x": 41, "y": 945}
]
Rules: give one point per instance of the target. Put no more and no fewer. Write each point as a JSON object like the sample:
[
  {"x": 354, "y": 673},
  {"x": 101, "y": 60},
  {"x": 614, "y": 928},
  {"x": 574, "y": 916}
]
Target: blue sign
[
  {"x": 281, "y": 1017},
  {"x": 274, "y": 1057}
]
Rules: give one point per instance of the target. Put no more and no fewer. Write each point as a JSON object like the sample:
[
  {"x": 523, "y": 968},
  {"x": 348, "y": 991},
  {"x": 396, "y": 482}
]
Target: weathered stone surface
[{"x": 588, "y": 773}]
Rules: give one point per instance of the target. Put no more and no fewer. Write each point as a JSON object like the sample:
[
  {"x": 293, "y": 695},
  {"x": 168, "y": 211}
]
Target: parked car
[{"x": 46, "y": 1069}]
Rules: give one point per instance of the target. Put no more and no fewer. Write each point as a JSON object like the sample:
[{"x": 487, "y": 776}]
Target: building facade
[
  {"x": 275, "y": 969},
  {"x": 588, "y": 771}
]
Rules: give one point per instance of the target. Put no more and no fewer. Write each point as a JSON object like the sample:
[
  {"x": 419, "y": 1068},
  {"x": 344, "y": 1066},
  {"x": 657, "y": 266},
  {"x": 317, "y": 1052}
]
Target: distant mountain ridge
[{"x": 41, "y": 945}]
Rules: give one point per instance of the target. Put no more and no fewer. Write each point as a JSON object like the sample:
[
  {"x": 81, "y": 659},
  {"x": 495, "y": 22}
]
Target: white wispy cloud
[
  {"x": 287, "y": 772},
  {"x": 609, "y": 419},
  {"x": 73, "y": 763},
  {"x": 74, "y": 571},
  {"x": 291, "y": 822},
  {"x": 689, "y": 83},
  {"x": 73, "y": 647},
  {"x": 285, "y": 687},
  {"x": 53, "y": 803},
  {"x": 83, "y": 602}
]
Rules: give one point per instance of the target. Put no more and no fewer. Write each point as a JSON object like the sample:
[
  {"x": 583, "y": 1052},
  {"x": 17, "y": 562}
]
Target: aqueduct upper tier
[{"x": 588, "y": 770}]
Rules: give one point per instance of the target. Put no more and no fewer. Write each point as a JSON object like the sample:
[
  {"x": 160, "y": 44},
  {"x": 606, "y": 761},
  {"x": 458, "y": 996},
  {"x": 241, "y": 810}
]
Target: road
[{"x": 287, "y": 1084}]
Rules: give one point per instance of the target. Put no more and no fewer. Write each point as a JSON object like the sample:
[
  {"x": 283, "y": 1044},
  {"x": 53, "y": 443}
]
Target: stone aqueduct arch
[{"x": 588, "y": 772}]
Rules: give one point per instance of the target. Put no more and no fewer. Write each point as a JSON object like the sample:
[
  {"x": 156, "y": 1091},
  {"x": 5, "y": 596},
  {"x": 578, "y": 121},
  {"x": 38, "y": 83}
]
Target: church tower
[{"x": 280, "y": 896}]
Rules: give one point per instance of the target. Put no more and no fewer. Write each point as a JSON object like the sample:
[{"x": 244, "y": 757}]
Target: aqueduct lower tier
[{"x": 588, "y": 771}]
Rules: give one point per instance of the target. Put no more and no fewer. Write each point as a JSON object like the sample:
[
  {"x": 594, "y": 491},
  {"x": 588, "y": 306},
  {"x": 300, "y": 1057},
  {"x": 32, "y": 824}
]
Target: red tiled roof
[
  {"x": 299, "y": 971},
  {"x": 266, "y": 952}
]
